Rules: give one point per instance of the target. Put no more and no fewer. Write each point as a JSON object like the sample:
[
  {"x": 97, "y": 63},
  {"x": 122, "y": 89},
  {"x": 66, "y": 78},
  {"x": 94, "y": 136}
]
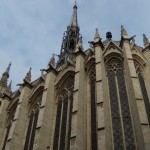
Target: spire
[
  {"x": 28, "y": 76},
  {"x": 74, "y": 20},
  {"x": 123, "y": 31},
  {"x": 5, "y": 76},
  {"x": 97, "y": 37},
  {"x": 145, "y": 40},
  {"x": 70, "y": 40}
]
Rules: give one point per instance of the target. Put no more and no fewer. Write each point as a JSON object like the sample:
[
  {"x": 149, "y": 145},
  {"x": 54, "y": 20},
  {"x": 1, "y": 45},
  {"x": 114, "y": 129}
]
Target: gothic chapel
[{"x": 94, "y": 99}]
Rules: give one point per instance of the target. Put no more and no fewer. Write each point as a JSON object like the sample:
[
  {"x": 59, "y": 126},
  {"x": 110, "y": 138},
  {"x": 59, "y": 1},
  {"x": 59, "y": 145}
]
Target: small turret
[{"x": 5, "y": 76}]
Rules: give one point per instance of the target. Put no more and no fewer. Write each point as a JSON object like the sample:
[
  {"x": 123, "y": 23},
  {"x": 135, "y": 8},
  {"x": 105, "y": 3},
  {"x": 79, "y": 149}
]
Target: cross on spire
[
  {"x": 75, "y": 2},
  {"x": 74, "y": 21}
]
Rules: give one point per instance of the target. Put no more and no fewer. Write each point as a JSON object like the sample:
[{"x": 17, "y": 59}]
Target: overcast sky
[{"x": 31, "y": 30}]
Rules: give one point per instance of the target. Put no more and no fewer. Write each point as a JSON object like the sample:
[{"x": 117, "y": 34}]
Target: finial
[
  {"x": 145, "y": 40},
  {"x": 123, "y": 31},
  {"x": 75, "y": 2},
  {"x": 28, "y": 76}
]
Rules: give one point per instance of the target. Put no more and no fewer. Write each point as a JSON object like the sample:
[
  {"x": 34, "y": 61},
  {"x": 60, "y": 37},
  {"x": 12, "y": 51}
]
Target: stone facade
[{"x": 94, "y": 99}]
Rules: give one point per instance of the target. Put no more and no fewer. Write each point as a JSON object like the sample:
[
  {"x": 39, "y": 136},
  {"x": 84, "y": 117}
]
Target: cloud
[{"x": 31, "y": 31}]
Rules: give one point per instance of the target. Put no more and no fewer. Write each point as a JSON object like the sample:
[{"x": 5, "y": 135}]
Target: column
[
  {"x": 135, "y": 96},
  {"x": 17, "y": 131},
  {"x": 77, "y": 141}
]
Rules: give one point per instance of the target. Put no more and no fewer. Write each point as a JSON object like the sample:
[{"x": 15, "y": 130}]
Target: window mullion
[{"x": 119, "y": 103}]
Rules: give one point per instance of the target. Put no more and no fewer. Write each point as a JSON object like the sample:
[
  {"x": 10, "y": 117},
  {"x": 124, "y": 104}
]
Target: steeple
[
  {"x": 5, "y": 76},
  {"x": 70, "y": 39}
]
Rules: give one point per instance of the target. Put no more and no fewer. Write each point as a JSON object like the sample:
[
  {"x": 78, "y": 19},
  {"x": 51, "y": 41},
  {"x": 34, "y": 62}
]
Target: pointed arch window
[
  {"x": 120, "y": 112},
  {"x": 92, "y": 77},
  {"x": 30, "y": 135},
  {"x": 62, "y": 131},
  {"x": 140, "y": 74},
  {"x": 10, "y": 119}
]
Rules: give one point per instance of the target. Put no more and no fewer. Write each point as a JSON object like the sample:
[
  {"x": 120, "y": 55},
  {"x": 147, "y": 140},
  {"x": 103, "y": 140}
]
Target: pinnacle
[
  {"x": 28, "y": 76},
  {"x": 79, "y": 44},
  {"x": 123, "y": 31},
  {"x": 97, "y": 36},
  {"x": 5, "y": 76}
]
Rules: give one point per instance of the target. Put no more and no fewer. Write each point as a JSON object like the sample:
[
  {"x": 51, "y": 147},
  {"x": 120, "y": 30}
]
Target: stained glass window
[
  {"x": 11, "y": 114},
  {"x": 63, "y": 124},
  {"x": 116, "y": 119},
  {"x": 120, "y": 111},
  {"x": 70, "y": 118},
  {"x": 145, "y": 96},
  {"x": 57, "y": 126},
  {"x": 93, "y": 109},
  {"x": 63, "y": 117},
  {"x": 32, "y": 123},
  {"x": 127, "y": 122},
  {"x": 139, "y": 72}
]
